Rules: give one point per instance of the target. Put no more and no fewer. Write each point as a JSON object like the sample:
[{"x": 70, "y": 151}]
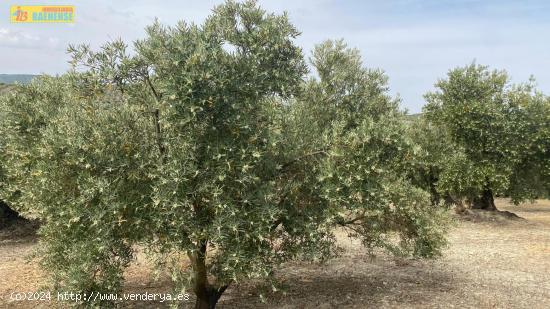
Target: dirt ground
[{"x": 488, "y": 264}]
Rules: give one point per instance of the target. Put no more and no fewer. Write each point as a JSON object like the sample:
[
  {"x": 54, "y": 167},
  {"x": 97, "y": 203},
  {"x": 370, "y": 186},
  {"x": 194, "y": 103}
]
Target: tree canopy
[
  {"x": 211, "y": 141},
  {"x": 499, "y": 132}
]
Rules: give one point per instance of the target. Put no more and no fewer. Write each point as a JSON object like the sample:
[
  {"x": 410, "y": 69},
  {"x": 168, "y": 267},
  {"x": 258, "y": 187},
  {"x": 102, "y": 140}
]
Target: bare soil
[{"x": 490, "y": 262}]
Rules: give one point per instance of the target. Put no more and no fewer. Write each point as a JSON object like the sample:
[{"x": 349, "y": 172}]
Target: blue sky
[{"x": 415, "y": 42}]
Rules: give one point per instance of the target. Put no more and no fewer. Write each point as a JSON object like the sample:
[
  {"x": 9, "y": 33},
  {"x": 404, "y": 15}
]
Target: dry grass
[{"x": 500, "y": 264}]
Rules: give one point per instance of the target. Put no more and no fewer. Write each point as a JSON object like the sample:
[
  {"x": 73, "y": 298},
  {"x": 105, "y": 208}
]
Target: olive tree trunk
[
  {"x": 485, "y": 202},
  {"x": 207, "y": 294},
  {"x": 207, "y": 298}
]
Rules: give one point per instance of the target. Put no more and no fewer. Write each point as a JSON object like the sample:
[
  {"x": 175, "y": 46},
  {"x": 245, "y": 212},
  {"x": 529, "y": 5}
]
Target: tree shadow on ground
[
  {"x": 19, "y": 230},
  {"x": 364, "y": 285}
]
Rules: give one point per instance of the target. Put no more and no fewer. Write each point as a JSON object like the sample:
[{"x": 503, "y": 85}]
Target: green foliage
[
  {"x": 349, "y": 116},
  {"x": 207, "y": 141},
  {"x": 499, "y": 131},
  {"x": 431, "y": 152},
  {"x": 25, "y": 111},
  {"x": 531, "y": 174},
  {"x": 80, "y": 165}
]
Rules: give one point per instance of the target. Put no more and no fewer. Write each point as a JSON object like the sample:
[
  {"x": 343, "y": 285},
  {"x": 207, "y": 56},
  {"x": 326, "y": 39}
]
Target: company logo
[{"x": 42, "y": 14}]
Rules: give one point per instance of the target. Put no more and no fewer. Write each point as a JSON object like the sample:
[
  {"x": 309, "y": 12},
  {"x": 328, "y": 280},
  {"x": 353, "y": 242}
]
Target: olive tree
[
  {"x": 499, "y": 132},
  {"x": 347, "y": 120},
  {"x": 24, "y": 111},
  {"x": 207, "y": 141},
  {"x": 531, "y": 172}
]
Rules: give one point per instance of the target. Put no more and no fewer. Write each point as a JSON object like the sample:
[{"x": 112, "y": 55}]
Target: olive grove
[{"x": 213, "y": 148}]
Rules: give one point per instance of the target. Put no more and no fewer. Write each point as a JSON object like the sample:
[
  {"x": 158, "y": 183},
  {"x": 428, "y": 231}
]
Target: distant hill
[
  {"x": 12, "y": 78},
  {"x": 413, "y": 117}
]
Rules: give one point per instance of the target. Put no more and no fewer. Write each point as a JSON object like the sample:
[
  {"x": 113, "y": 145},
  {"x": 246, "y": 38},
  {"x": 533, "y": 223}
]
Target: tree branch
[
  {"x": 152, "y": 88},
  {"x": 198, "y": 261},
  {"x": 352, "y": 221},
  {"x": 156, "y": 115},
  {"x": 307, "y": 155}
]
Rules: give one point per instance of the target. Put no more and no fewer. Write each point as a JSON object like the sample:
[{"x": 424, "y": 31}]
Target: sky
[{"x": 415, "y": 42}]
